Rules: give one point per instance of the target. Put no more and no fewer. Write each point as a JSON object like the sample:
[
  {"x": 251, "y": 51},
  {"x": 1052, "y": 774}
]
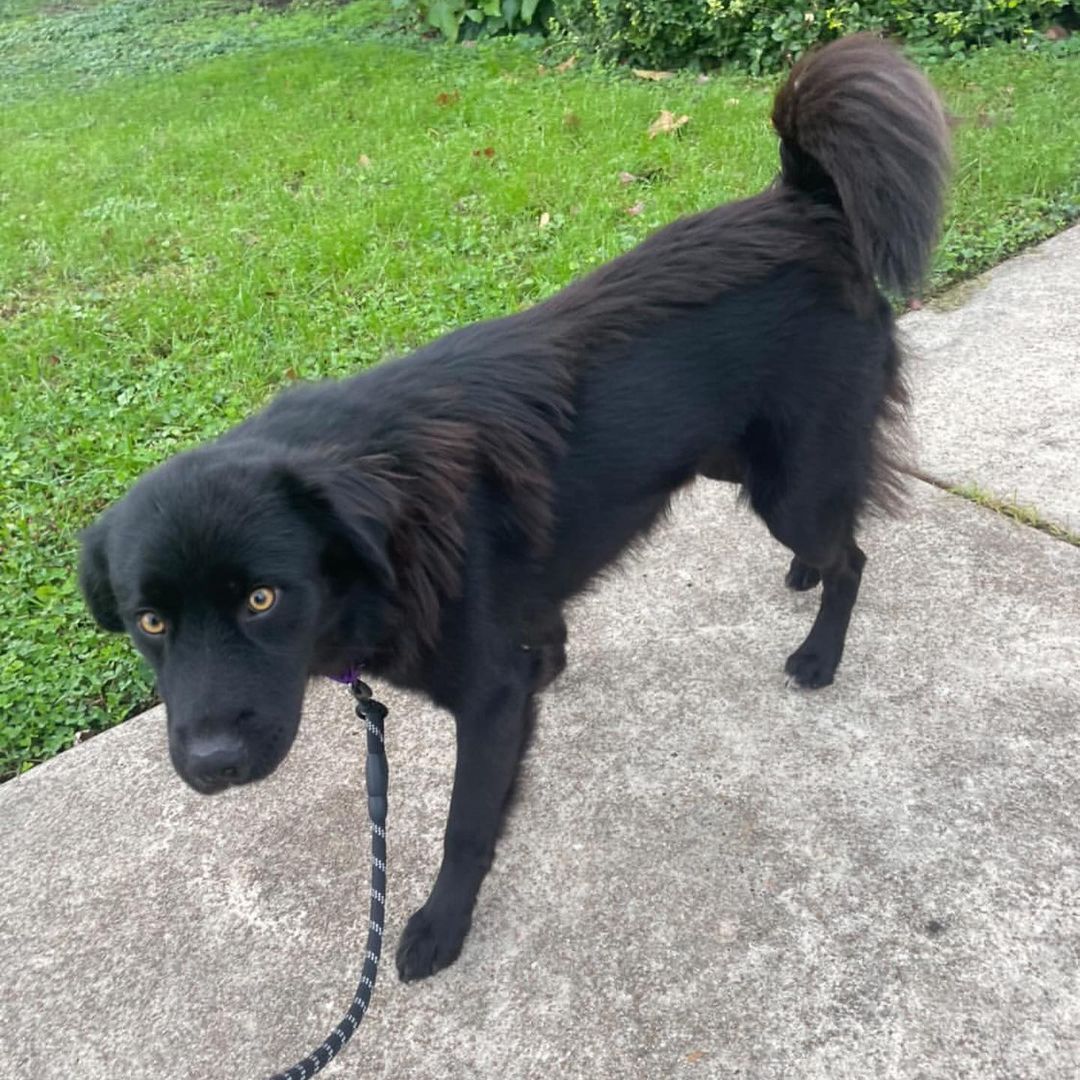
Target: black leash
[{"x": 373, "y": 713}]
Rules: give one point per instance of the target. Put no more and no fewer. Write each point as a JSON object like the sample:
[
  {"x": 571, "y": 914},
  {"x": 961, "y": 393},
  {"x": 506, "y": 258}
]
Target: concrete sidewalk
[
  {"x": 707, "y": 874},
  {"x": 997, "y": 382}
]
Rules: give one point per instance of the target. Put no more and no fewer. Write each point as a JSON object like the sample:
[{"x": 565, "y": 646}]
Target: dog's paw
[
  {"x": 810, "y": 668},
  {"x": 428, "y": 944},
  {"x": 801, "y": 577},
  {"x": 550, "y": 664}
]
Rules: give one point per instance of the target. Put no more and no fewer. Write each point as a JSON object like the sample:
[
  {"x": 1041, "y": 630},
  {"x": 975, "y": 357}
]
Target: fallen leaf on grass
[
  {"x": 627, "y": 178},
  {"x": 488, "y": 152},
  {"x": 447, "y": 98},
  {"x": 636, "y": 209},
  {"x": 545, "y": 220},
  {"x": 364, "y": 161},
  {"x": 653, "y": 76},
  {"x": 666, "y": 123},
  {"x": 566, "y": 65}
]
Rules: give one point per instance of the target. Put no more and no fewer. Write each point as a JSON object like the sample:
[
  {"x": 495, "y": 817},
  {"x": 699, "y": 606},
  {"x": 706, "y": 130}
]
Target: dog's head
[{"x": 239, "y": 572}]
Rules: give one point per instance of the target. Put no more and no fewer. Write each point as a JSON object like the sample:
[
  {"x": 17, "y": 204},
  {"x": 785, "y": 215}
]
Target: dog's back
[
  {"x": 751, "y": 342},
  {"x": 865, "y": 158}
]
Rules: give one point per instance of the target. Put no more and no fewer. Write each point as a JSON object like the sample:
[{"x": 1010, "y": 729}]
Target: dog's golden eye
[
  {"x": 150, "y": 622},
  {"x": 261, "y": 599}
]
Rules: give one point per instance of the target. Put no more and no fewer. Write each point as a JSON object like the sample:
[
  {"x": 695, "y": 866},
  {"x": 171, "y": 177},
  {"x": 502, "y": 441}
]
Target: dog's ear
[
  {"x": 94, "y": 577},
  {"x": 353, "y": 510}
]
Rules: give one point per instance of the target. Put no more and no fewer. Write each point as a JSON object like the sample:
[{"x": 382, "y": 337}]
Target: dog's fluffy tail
[{"x": 860, "y": 124}]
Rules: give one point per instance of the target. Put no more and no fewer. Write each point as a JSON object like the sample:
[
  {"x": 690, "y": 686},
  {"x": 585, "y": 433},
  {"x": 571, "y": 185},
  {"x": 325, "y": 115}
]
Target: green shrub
[
  {"x": 767, "y": 34},
  {"x": 458, "y": 20},
  {"x": 650, "y": 33}
]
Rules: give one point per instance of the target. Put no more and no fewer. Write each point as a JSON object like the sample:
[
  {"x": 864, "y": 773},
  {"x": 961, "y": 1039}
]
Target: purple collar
[{"x": 348, "y": 676}]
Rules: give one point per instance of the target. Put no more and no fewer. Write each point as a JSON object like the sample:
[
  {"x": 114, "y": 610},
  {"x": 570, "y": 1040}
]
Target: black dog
[{"x": 428, "y": 519}]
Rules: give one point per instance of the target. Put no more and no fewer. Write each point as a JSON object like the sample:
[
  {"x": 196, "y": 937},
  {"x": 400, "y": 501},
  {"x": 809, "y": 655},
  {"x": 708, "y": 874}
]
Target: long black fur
[{"x": 430, "y": 518}]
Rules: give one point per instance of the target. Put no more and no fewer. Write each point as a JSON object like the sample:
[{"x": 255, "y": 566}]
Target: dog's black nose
[{"x": 215, "y": 761}]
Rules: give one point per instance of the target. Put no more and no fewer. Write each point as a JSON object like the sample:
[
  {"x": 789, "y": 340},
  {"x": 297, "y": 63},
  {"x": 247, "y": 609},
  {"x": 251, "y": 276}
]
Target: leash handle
[{"x": 377, "y": 773}]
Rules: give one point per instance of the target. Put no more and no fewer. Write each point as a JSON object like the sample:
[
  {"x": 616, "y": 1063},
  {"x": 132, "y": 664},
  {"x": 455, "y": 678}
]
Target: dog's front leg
[{"x": 491, "y": 735}]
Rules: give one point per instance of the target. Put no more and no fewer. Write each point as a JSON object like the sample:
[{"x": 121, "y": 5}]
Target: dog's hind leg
[
  {"x": 821, "y": 536},
  {"x": 727, "y": 465},
  {"x": 815, "y": 661},
  {"x": 820, "y": 533},
  {"x": 493, "y": 724},
  {"x": 807, "y": 490},
  {"x": 545, "y": 639},
  {"x": 801, "y": 576}
]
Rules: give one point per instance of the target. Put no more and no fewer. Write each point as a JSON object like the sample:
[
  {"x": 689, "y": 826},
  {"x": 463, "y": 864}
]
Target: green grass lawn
[{"x": 199, "y": 204}]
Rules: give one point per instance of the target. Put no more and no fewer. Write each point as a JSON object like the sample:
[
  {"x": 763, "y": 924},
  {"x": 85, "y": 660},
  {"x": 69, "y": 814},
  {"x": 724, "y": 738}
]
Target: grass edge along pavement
[
  {"x": 176, "y": 246},
  {"x": 1022, "y": 514}
]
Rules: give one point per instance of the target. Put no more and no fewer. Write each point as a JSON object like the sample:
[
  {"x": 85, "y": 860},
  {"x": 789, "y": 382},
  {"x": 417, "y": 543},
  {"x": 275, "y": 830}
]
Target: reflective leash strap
[{"x": 373, "y": 713}]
